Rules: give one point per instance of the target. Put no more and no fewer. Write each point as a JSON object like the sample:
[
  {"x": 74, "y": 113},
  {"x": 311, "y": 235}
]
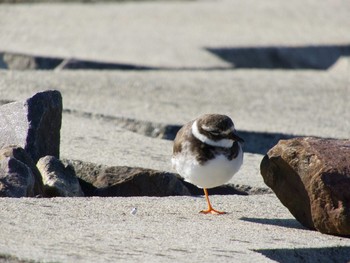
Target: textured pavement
[{"x": 162, "y": 230}]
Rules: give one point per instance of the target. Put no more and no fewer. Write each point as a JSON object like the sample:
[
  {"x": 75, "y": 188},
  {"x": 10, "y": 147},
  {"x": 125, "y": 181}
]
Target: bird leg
[{"x": 210, "y": 209}]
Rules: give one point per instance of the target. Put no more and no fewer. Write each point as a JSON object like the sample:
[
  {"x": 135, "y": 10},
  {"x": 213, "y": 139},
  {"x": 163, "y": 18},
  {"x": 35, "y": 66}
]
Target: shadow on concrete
[
  {"x": 288, "y": 223},
  {"x": 84, "y": 64},
  {"x": 262, "y": 142},
  {"x": 296, "y": 255},
  {"x": 271, "y": 57},
  {"x": 16, "y": 61},
  {"x": 280, "y": 57},
  {"x": 220, "y": 190},
  {"x": 5, "y": 258}
]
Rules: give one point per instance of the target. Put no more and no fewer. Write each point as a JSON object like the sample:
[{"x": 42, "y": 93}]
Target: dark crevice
[
  {"x": 255, "y": 142},
  {"x": 146, "y": 128},
  {"x": 228, "y": 189},
  {"x": 16, "y": 61}
]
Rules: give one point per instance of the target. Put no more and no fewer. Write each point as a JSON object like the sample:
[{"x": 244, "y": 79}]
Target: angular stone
[
  {"x": 58, "y": 179},
  {"x": 16, "y": 178},
  {"x": 33, "y": 124},
  {"x": 127, "y": 181},
  {"x": 311, "y": 177},
  {"x": 21, "y": 155}
]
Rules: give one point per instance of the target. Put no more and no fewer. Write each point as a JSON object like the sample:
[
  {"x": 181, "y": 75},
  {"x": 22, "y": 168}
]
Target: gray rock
[
  {"x": 311, "y": 177},
  {"x": 22, "y": 156},
  {"x": 16, "y": 178},
  {"x": 33, "y": 124},
  {"x": 58, "y": 179}
]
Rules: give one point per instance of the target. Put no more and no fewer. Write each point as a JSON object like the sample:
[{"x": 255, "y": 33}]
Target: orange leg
[{"x": 210, "y": 209}]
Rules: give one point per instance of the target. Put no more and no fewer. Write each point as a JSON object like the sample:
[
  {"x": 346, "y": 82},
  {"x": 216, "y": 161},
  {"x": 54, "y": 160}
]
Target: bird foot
[{"x": 212, "y": 211}]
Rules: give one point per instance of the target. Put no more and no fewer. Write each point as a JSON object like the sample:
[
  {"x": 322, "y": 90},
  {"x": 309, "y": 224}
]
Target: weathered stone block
[
  {"x": 33, "y": 124},
  {"x": 311, "y": 177}
]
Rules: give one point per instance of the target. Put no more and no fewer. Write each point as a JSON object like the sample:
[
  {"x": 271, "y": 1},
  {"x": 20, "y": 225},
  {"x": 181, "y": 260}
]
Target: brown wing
[
  {"x": 183, "y": 134},
  {"x": 205, "y": 152}
]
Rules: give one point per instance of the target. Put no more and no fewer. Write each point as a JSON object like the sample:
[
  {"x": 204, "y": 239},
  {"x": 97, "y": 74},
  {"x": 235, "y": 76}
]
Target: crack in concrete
[{"x": 255, "y": 142}]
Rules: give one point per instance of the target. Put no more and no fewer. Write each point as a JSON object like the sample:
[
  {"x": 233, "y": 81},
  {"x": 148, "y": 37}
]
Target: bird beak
[{"x": 234, "y": 136}]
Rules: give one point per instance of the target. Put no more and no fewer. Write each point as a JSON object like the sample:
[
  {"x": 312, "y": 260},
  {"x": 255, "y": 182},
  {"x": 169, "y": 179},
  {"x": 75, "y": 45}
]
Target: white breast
[{"x": 215, "y": 172}]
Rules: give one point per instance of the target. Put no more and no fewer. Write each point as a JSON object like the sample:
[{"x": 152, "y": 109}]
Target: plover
[{"x": 207, "y": 152}]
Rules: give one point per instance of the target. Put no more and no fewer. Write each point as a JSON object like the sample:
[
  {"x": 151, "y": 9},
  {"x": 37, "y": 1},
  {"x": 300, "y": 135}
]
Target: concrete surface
[
  {"x": 288, "y": 102},
  {"x": 170, "y": 34},
  {"x": 256, "y": 229},
  {"x": 193, "y": 46}
]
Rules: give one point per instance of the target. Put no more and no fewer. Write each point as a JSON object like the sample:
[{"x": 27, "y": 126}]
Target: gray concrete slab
[
  {"x": 170, "y": 34},
  {"x": 256, "y": 229},
  {"x": 289, "y": 102}
]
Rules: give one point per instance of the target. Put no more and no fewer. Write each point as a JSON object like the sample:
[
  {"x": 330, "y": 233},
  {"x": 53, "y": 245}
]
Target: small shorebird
[{"x": 207, "y": 152}]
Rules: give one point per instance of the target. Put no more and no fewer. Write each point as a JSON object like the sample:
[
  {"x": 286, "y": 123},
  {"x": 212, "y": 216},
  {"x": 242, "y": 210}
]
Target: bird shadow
[{"x": 288, "y": 223}]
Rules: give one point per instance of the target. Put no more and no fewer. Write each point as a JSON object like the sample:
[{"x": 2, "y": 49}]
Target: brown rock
[
  {"x": 311, "y": 177},
  {"x": 127, "y": 181}
]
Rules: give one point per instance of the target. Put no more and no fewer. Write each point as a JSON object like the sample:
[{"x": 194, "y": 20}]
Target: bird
[{"x": 207, "y": 152}]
